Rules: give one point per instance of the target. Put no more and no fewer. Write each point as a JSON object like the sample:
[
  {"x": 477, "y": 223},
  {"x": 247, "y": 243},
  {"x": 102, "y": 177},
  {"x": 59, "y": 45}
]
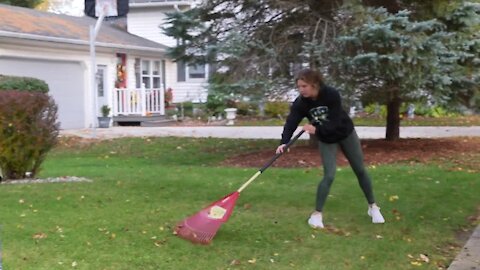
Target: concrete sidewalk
[
  {"x": 469, "y": 257},
  {"x": 270, "y": 132}
]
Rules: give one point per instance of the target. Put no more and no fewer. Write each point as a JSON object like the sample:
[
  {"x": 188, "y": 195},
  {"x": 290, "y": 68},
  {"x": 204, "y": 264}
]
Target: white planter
[{"x": 231, "y": 115}]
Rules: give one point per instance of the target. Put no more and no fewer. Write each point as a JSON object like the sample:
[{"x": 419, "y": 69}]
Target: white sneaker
[
  {"x": 316, "y": 221},
  {"x": 374, "y": 212}
]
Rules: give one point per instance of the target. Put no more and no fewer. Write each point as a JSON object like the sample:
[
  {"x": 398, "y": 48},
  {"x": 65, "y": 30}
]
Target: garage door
[{"x": 65, "y": 80}]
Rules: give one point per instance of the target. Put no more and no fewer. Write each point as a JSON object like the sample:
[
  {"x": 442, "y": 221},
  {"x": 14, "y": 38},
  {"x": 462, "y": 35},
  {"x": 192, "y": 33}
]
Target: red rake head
[{"x": 202, "y": 227}]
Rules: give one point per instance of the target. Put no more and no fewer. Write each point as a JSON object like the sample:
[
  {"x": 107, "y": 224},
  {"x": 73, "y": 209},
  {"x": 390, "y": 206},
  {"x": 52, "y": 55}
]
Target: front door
[{"x": 101, "y": 88}]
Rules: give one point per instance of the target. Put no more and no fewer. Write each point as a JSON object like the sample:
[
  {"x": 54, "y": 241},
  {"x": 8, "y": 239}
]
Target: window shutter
[{"x": 181, "y": 71}]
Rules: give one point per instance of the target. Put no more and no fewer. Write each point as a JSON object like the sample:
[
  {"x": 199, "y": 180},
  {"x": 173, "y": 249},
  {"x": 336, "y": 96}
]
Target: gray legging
[{"x": 353, "y": 152}]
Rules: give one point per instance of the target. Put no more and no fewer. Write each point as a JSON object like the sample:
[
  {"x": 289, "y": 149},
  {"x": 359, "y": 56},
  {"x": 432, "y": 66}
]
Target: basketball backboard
[
  {"x": 109, "y": 8},
  {"x": 93, "y": 8}
]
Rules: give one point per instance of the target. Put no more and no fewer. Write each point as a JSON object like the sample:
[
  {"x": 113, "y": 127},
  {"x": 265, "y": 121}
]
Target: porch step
[
  {"x": 144, "y": 121},
  {"x": 138, "y": 118},
  {"x": 158, "y": 123}
]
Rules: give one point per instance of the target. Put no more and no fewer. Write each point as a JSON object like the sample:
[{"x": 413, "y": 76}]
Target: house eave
[{"x": 84, "y": 43}]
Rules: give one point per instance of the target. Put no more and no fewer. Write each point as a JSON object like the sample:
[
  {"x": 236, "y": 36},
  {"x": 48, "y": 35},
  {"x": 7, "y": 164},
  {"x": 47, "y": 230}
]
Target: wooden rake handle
[{"x": 271, "y": 161}]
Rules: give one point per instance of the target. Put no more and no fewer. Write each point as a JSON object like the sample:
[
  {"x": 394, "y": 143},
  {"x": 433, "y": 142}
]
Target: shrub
[
  {"x": 28, "y": 130},
  {"x": 246, "y": 109},
  {"x": 372, "y": 110},
  {"x": 187, "y": 108},
  {"x": 277, "y": 109},
  {"x": 215, "y": 104},
  {"x": 23, "y": 84}
]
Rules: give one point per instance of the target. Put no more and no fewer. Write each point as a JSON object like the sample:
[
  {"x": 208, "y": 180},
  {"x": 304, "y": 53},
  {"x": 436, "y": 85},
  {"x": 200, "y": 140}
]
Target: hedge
[{"x": 23, "y": 84}]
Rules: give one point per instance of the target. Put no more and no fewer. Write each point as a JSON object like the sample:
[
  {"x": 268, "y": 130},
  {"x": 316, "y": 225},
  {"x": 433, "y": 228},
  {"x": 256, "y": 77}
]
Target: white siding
[
  {"x": 184, "y": 91},
  {"x": 146, "y": 22}
]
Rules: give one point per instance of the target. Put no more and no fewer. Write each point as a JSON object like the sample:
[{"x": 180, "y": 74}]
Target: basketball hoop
[{"x": 109, "y": 8}]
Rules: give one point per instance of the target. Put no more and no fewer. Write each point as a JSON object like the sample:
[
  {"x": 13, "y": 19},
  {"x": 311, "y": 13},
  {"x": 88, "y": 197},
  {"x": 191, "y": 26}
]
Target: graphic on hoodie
[{"x": 319, "y": 115}]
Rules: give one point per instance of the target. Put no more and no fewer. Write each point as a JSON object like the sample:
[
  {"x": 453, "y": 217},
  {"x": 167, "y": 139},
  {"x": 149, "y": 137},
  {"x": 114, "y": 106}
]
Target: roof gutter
[{"x": 78, "y": 42}]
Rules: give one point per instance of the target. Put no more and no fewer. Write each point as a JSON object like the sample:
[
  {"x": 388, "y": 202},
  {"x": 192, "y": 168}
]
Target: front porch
[{"x": 139, "y": 107}]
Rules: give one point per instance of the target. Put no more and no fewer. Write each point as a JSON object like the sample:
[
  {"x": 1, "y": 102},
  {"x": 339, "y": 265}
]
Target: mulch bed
[{"x": 459, "y": 153}]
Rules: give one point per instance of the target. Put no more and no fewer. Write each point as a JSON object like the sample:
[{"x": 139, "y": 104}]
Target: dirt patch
[{"x": 459, "y": 153}]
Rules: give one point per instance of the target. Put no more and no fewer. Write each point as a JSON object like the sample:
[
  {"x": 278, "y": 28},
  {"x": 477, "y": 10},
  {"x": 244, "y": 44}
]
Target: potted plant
[{"x": 104, "y": 120}]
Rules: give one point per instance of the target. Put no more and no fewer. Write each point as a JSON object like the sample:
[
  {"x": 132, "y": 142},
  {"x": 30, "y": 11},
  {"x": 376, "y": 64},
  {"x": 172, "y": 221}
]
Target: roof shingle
[{"x": 45, "y": 24}]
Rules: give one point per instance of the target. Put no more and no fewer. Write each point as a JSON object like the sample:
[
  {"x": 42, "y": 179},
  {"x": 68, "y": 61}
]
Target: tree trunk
[{"x": 393, "y": 119}]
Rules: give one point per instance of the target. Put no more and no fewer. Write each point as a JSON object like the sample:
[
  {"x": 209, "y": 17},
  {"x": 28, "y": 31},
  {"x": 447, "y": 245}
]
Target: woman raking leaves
[{"x": 334, "y": 129}]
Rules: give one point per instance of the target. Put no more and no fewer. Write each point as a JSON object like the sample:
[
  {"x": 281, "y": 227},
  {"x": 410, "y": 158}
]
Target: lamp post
[{"x": 94, "y": 29}]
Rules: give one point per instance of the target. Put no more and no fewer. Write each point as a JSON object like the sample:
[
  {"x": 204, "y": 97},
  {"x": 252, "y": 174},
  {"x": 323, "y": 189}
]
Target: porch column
[{"x": 143, "y": 100}]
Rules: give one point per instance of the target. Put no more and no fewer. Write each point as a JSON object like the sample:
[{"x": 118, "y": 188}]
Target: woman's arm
[{"x": 294, "y": 118}]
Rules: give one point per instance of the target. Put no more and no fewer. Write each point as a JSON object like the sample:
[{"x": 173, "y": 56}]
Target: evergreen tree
[
  {"x": 464, "y": 22},
  {"x": 392, "y": 58}
]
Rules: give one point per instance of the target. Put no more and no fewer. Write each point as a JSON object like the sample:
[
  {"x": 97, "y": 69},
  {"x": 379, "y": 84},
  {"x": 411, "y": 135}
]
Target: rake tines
[{"x": 202, "y": 227}]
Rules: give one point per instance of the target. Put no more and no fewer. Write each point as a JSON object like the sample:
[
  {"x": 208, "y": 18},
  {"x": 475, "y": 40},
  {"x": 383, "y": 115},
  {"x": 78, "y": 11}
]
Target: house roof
[{"x": 37, "y": 25}]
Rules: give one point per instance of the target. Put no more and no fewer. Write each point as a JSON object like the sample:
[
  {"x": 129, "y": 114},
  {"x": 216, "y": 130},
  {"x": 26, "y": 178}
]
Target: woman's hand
[
  {"x": 280, "y": 149},
  {"x": 310, "y": 129}
]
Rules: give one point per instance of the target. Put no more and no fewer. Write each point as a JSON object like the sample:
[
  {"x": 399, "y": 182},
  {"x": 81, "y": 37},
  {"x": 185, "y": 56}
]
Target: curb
[{"x": 469, "y": 257}]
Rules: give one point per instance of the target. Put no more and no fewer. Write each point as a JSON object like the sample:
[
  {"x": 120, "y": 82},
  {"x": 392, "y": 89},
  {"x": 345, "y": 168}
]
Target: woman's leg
[
  {"x": 328, "y": 152},
  {"x": 353, "y": 152}
]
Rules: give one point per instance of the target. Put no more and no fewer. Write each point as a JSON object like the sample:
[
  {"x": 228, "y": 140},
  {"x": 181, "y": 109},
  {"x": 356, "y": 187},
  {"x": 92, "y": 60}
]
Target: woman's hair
[{"x": 310, "y": 76}]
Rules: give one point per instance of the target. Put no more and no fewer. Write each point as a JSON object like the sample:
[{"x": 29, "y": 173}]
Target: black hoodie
[{"x": 326, "y": 113}]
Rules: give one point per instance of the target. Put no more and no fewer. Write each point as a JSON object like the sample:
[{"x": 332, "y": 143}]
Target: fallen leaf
[
  {"x": 424, "y": 258},
  {"x": 416, "y": 263},
  {"x": 378, "y": 236},
  {"x": 393, "y": 198},
  {"x": 74, "y": 264},
  {"x": 21, "y": 201},
  {"x": 252, "y": 261},
  {"x": 272, "y": 260},
  {"x": 247, "y": 206},
  {"x": 235, "y": 262},
  {"x": 362, "y": 257},
  {"x": 40, "y": 236},
  {"x": 160, "y": 243}
]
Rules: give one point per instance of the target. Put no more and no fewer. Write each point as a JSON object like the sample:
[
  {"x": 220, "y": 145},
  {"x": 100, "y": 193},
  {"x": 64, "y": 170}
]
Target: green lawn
[
  {"x": 142, "y": 187},
  {"x": 378, "y": 121}
]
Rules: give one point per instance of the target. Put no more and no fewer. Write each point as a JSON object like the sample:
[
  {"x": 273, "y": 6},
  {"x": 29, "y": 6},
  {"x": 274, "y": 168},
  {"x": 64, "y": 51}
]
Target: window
[
  {"x": 191, "y": 72},
  {"x": 148, "y": 72}
]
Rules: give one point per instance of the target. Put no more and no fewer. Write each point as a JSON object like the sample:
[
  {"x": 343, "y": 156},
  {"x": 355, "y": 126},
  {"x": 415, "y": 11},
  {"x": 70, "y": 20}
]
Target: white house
[
  {"x": 55, "y": 48},
  {"x": 145, "y": 19}
]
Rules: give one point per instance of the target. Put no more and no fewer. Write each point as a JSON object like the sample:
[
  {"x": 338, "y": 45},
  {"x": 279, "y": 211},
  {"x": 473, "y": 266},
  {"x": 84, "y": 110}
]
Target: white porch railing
[{"x": 138, "y": 101}]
